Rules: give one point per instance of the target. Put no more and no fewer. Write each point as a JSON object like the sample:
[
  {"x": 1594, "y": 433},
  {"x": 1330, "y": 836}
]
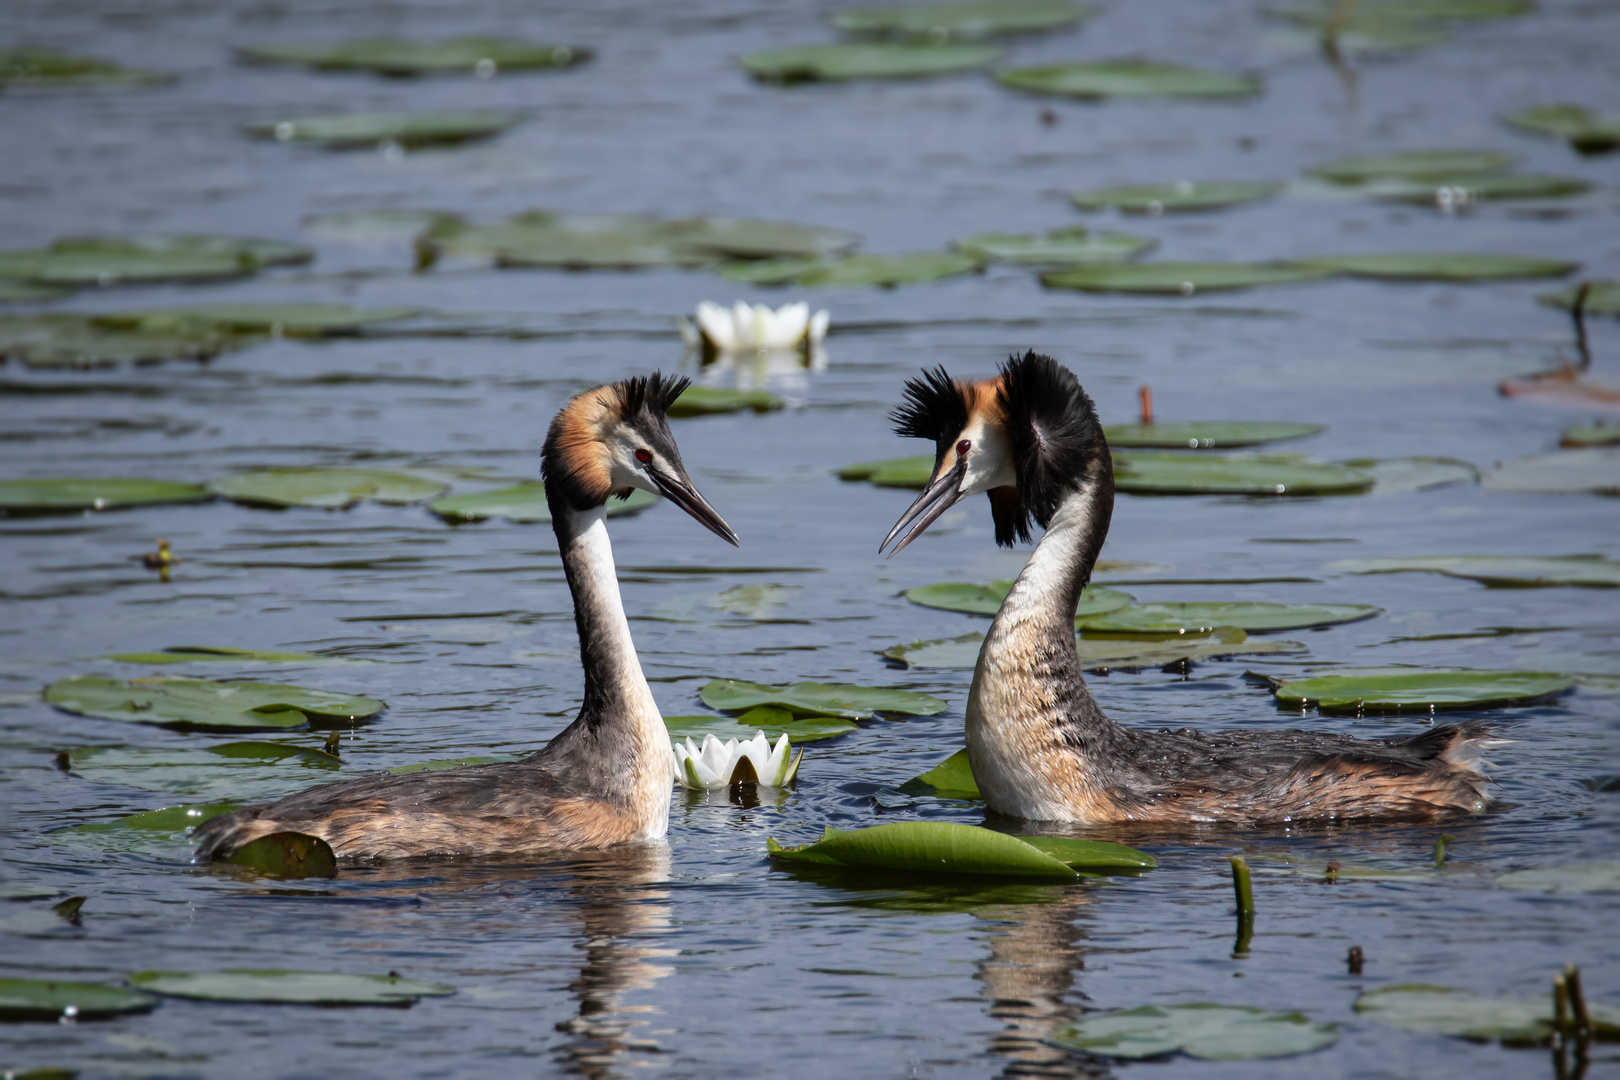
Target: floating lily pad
[
  {"x": 773, "y": 721},
  {"x": 950, "y": 779},
  {"x": 62, "y": 339},
  {"x": 1568, "y": 472},
  {"x": 343, "y": 130},
  {"x": 171, "y": 820},
  {"x": 288, "y": 987},
  {"x": 1179, "y": 278},
  {"x": 325, "y": 489},
  {"x": 240, "y": 771},
  {"x": 1203, "y": 616},
  {"x": 284, "y": 320},
  {"x": 93, "y": 493},
  {"x": 48, "y": 999},
  {"x": 1128, "y": 78},
  {"x": 1153, "y": 473},
  {"x": 287, "y": 855},
  {"x": 902, "y": 472},
  {"x": 1206, "y": 434},
  {"x": 707, "y": 400},
  {"x": 1394, "y": 475},
  {"x": 1581, "y": 877},
  {"x": 1603, "y": 297},
  {"x": 1586, "y": 131},
  {"x": 1201, "y": 1030},
  {"x": 840, "y": 63},
  {"x": 819, "y": 699},
  {"x": 185, "y": 654},
  {"x": 44, "y": 67},
  {"x": 21, "y": 292},
  {"x": 1508, "y": 571},
  {"x": 940, "y": 22},
  {"x": 1414, "y": 165},
  {"x": 1443, "y": 1010},
  {"x": 1182, "y": 196},
  {"x": 484, "y": 56},
  {"x": 1099, "y": 653},
  {"x": 100, "y": 260},
  {"x": 1060, "y": 247},
  {"x": 936, "y": 847},
  {"x": 207, "y": 706},
  {"x": 1579, "y": 435},
  {"x": 1443, "y": 266},
  {"x": 986, "y": 599},
  {"x": 1454, "y": 193},
  {"x": 855, "y": 270},
  {"x": 522, "y": 503},
  {"x": 1421, "y": 691}
]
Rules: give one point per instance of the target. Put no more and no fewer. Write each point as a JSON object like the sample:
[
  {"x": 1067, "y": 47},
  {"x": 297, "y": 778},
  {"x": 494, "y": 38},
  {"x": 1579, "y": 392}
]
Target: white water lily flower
[
  {"x": 719, "y": 764},
  {"x": 754, "y": 327}
]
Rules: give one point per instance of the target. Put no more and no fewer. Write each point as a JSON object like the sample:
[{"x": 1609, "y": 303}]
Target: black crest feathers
[
  {"x": 1053, "y": 434},
  {"x": 654, "y": 393},
  {"x": 935, "y": 407}
]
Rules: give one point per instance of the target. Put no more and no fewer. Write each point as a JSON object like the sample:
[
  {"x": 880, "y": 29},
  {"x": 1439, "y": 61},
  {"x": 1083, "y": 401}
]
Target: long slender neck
[{"x": 1048, "y": 589}]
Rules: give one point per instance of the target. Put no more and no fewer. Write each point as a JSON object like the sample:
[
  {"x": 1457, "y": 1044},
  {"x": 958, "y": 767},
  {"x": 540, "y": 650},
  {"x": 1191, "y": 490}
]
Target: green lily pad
[
  {"x": 171, "y": 820},
  {"x": 1443, "y": 1010},
  {"x": 1505, "y": 571},
  {"x": 1206, "y": 434},
  {"x": 1421, "y": 691},
  {"x": 240, "y": 771},
  {"x": 1580, "y": 435},
  {"x": 207, "y": 706},
  {"x": 1200, "y": 1030},
  {"x": 1602, "y": 298},
  {"x": 21, "y": 292},
  {"x": 1452, "y": 193},
  {"x": 1567, "y": 472},
  {"x": 282, "y": 320},
  {"x": 484, "y": 56},
  {"x": 940, "y": 22},
  {"x": 48, "y": 999},
  {"x": 950, "y": 779},
  {"x": 902, "y": 472},
  {"x": 707, "y": 400},
  {"x": 133, "y": 260},
  {"x": 288, "y": 987},
  {"x": 1586, "y": 131},
  {"x": 1154, "y": 473},
  {"x": 1414, "y": 165},
  {"x": 1099, "y": 653},
  {"x": 936, "y": 847},
  {"x": 62, "y": 339},
  {"x": 1394, "y": 475},
  {"x": 185, "y": 654},
  {"x": 1581, "y": 877},
  {"x": 819, "y": 699},
  {"x": 1060, "y": 247},
  {"x": 93, "y": 493},
  {"x": 1183, "y": 196},
  {"x": 287, "y": 855},
  {"x": 1203, "y": 616},
  {"x": 840, "y": 63},
  {"x": 1443, "y": 266},
  {"x": 325, "y": 489},
  {"x": 886, "y": 271},
  {"x": 1128, "y": 78},
  {"x": 44, "y": 67},
  {"x": 986, "y": 599},
  {"x": 523, "y": 503},
  {"x": 345, "y": 130},
  {"x": 773, "y": 721},
  {"x": 1179, "y": 278}
]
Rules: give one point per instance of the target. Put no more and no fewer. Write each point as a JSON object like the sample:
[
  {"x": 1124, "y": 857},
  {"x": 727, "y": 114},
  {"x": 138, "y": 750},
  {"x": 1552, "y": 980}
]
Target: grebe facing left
[
  {"x": 606, "y": 778},
  {"x": 1040, "y": 747}
]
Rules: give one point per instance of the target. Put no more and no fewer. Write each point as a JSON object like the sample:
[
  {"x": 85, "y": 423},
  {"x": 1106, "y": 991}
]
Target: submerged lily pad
[
  {"x": 93, "y": 493},
  {"x": 773, "y": 721},
  {"x": 1182, "y": 196},
  {"x": 942, "y": 847},
  {"x": 1128, "y": 78},
  {"x": 1454, "y": 193},
  {"x": 1443, "y": 266},
  {"x": 1443, "y": 1010},
  {"x": 1200, "y": 1030},
  {"x": 986, "y": 599},
  {"x": 483, "y": 56},
  {"x": 1414, "y": 165},
  {"x": 1602, "y": 297},
  {"x": 840, "y": 63},
  {"x": 1180, "y": 278},
  {"x": 239, "y": 771},
  {"x": 207, "y": 706},
  {"x": 287, "y": 855},
  {"x": 442, "y": 128},
  {"x": 819, "y": 699},
  {"x": 855, "y": 270},
  {"x": 1586, "y": 131},
  {"x": 1568, "y": 472},
  {"x": 1579, "y": 435},
  {"x": 288, "y": 987},
  {"x": 1153, "y": 473},
  {"x": 325, "y": 489},
  {"x": 119, "y": 260},
  {"x": 1421, "y": 691},
  {"x": 47, "y": 999},
  {"x": 1099, "y": 653},
  {"x": 1203, "y": 616},
  {"x": 707, "y": 400},
  {"x": 939, "y": 22},
  {"x": 902, "y": 472},
  {"x": 185, "y": 654},
  {"x": 29, "y": 66},
  {"x": 1206, "y": 434},
  {"x": 1507, "y": 571},
  {"x": 284, "y": 320},
  {"x": 522, "y": 503},
  {"x": 1060, "y": 247},
  {"x": 1581, "y": 877},
  {"x": 1414, "y": 473},
  {"x": 950, "y": 779}
]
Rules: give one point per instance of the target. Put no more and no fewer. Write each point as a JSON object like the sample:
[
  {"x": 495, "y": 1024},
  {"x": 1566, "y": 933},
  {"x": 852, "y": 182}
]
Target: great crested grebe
[
  {"x": 606, "y": 778},
  {"x": 1040, "y": 747}
]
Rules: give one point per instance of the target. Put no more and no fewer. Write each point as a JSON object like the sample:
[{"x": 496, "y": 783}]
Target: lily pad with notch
[
  {"x": 49, "y": 1000},
  {"x": 986, "y": 599},
  {"x": 1165, "y": 473},
  {"x": 772, "y": 720},
  {"x": 819, "y": 699},
  {"x": 1181, "y": 278},
  {"x": 281, "y": 320},
  {"x": 1569, "y": 472},
  {"x": 1206, "y": 434},
  {"x": 206, "y": 705},
  {"x": 1502, "y": 571},
  {"x": 1394, "y": 475},
  {"x": 1421, "y": 691},
  {"x": 942, "y": 847},
  {"x": 1183, "y": 196},
  {"x": 1100, "y": 654},
  {"x": 1076, "y": 245},
  {"x": 1445, "y": 1010},
  {"x": 1587, "y": 132},
  {"x": 325, "y": 489},
  {"x": 277, "y": 987},
  {"x": 1205, "y": 616},
  {"x": 446, "y": 127},
  {"x": 1201, "y": 1030},
  {"x": 961, "y": 21},
  {"x": 710, "y": 400},
  {"x": 845, "y": 62},
  {"x": 77, "y": 493},
  {"x": 396, "y": 57},
  {"x": 522, "y": 503},
  {"x": 28, "y": 66},
  {"x": 1128, "y": 78},
  {"x": 1456, "y": 266},
  {"x": 1571, "y": 878},
  {"x": 186, "y": 654},
  {"x": 1414, "y": 165},
  {"x": 239, "y": 771}
]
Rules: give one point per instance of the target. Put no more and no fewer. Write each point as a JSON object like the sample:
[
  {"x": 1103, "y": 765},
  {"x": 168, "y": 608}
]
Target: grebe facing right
[{"x": 1040, "y": 747}]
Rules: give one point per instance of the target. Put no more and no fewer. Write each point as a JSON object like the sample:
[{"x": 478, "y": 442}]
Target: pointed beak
[
  {"x": 939, "y": 496},
  {"x": 680, "y": 491}
]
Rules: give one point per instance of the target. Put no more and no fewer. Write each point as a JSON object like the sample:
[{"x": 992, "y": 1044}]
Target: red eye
[
  {"x": 963, "y": 447},
  {"x": 644, "y": 456}
]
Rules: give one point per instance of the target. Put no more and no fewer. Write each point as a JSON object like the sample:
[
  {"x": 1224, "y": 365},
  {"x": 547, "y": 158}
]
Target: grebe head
[
  {"x": 615, "y": 438},
  {"x": 1027, "y": 436}
]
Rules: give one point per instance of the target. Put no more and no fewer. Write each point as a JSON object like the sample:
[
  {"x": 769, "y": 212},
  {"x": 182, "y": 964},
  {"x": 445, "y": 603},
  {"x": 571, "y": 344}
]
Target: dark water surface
[{"x": 698, "y": 959}]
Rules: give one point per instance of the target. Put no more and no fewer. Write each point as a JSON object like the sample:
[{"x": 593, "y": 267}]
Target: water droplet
[
  {"x": 1281, "y": 488},
  {"x": 486, "y": 68},
  {"x": 285, "y": 131},
  {"x": 1188, "y": 288},
  {"x": 1184, "y": 187},
  {"x": 562, "y": 54},
  {"x": 1155, "y": 208}
]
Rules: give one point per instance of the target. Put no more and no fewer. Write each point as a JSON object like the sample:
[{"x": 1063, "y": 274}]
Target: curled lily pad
[
  {"x": 185, "y": 654},
  {"x": 1602, "y": 297},
  {"x": 325, "y": 489},
  {"x": 1443, "y": 266},
  {"x": 1421, "y": 691},
  {"x": 1060, "y": 247},
  {"x": 1414, "y": 473},
  {"x": 93, "y": 493},
  {"x": 1200, "y": 1030},
  {"x": 840, "y": 63},
  {"x": 287, "y": 855},
  {"x": 937, "y": 847},
  {"x": 62, "y": 339},
  {"x": 1455, "y": 193},
  {"x": 1203, "y": 617},
  {"x": 1206, "y": 434},
  {"x": 282, "y": 320},
  {"x": 1414, "y": 165},
  {"x": 288, "y": 987},
  {"x": 986, "y": 599},
  {"x": 244, "y": 771},
  {"x": 950, "y": 779},
  {"x": 1586, "y": 131},
  {"x": 1153, "y": 473},
  {"x": 1507, "y": 571},
  {"x": 522, "y": 503},
  {"x": 1568, "y": 472},
  {"x": 445, "y": 127},
  {"x": 940, "y": 22},
  {"x": 51, "y": 999},
  {"x": 903, "y": 472},
  {"x": 1444, "y": 1010},
  {"x": 1580, "y": 435},
  {"x": 1099, "y": 654},
  {"x": 207, "y": 706},
  {"x": 855, "y": 270},
  {"x": 819, "y": 699},
  {"x": 1182, "y": 196},
  {"x": 773, "y": 721},
  {"x": 1128, "y": 78},
  {"x": 44, "y": 67},
  {"x": 483, "y": 56},
  {"x": 1581, "y": 877},
  {"x": 707, "y": 400},
  {"x": 1179, "y": 278}
]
